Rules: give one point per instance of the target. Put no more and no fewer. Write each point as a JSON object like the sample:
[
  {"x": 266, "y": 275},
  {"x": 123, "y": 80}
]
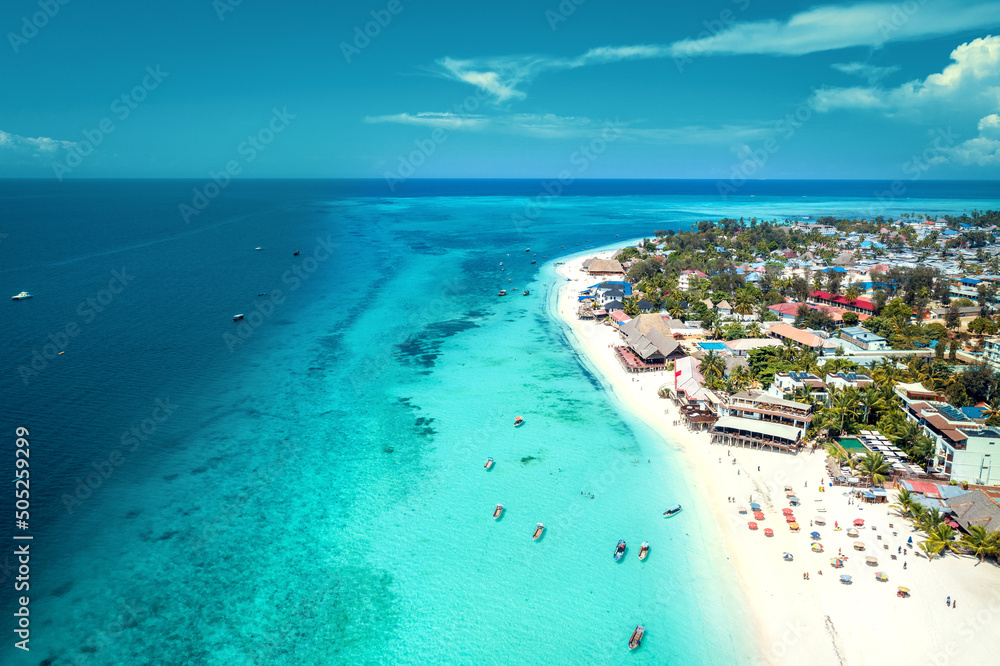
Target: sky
[{"x": 397, "y": 89}]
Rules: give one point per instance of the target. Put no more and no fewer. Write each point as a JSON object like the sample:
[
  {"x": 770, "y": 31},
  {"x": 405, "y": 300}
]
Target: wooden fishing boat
[
  {"x": 672, "y": 510},
  {"x": 497, "y": 512},
  {"x": 620, "y": 550},
  {"x": 643, "y": 550},
  {"x": 636, "y": 639},
  {"x": 489, "y": 463},
  {"x": 502, "y": 292},
  {"x": 518, "y": 421},
  {"x": 539, "y": 528}
]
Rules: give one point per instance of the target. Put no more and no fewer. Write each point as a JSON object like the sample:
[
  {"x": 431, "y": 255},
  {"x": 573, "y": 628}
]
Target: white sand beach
[{"x": 820, "y": 620}]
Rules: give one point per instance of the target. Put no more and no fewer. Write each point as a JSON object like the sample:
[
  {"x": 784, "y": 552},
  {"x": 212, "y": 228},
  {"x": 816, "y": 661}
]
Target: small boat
[
  {"x": 489, "y": 463},
  {"x": 525, "y": 292},
  {"x": 527, "y": 249},
  {"x": 672, "y": 510},
  {"x": 539, "y": 528},
  {"x": 20, "y": 297},
  {"x": 636, "y": 639},
  {"x": 620, "y": 550},
  {"x": 258, "y": 248},
  {"x": 518, "y": 421},
  {"x": 238, "y": 317},
  {"x": 502, "y": 292},
  {"x": 643, "y": 550},
  {"x": 263, "y": 293},
  {"x": 497, "y": 512},
  {"x": 296, "y": 253},
  {"x": 534, "y": 262}
]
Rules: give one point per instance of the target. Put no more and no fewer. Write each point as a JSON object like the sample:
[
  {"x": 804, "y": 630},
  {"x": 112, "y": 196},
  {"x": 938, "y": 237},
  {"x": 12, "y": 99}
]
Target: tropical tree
[
  {"x": 982, "y": 542},
  {"x": 713, "y": 366},
  {"x": 875, "y": 466},
  {"x": 939, "y": 538},
  {"x": 852, "y": 292},
  {"x": 744, "y": 301},
  {"x": 905, "y": 501}
]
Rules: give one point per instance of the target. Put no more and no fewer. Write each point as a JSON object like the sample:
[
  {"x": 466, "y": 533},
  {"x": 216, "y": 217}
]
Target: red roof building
[{"x": 856, "y": 305}]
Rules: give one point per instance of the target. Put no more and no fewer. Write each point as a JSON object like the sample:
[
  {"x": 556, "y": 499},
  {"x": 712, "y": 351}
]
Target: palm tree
[
  {"x": 744, "y": 301},
  {"x": 712, "y": 366},
  {"x": 676, "y": 312},
  {"x": 844, "y": 403},
  {"x": 871, "y": 399},
  {"x": 740, "y": 378},
  {"x": 852, "y": 292},
  {"x": 905, "y": 501},
  {"x": 754, "y": 331},
  {"x": 939, "y": 538},
  {"x": 930, "y": 520},
  {"x": 875, "y": 466},
  {"x": 982, "y": 542}
]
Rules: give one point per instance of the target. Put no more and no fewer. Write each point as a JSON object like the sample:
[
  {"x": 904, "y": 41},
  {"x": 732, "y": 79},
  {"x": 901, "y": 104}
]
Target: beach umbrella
[
  {"x": 754, "y": 506},
  {"x": 768, "y": 532},
  {"x": 858, "y": 545},
  {"x": 845, "y": 579},
  {"x": 752, "y": 525},
  {"x": 881, "y": 577},
  {"x": 836, "y": 524},
  {"x": 909, "y": 541},
  {"x": 787, "y": 488},
  {"x": 793, "y": 499},
  {"x": 837, "y": 563},
  {"x": 814, "y": 535},
  {"x": 819, "y": 520},
  {"x": 817, "y": 548},
  {"x": 871, "y": 561},
  {"x": 859, "y": 522},
  {"x": 789, "y": 518},
  {"x": 742, "y": 509},
  {"x": 787, "y": 511},
  {"x": 758, "y": 515},
  {"x": 852, "y": 532},
  {"x": 904, "y": 590},
  {"x": 789, "y": 493},
  {"x": 793, "y": 527},
  {"x": 787, "y": 557}
]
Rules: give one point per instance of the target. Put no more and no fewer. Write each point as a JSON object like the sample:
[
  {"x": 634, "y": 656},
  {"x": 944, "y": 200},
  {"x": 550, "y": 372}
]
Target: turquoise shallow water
[{"x": 319, "y": 496}]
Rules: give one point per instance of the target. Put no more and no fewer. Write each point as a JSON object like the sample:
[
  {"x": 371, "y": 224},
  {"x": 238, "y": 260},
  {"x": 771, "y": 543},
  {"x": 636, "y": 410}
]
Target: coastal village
[{"x": 845, "y": 376}]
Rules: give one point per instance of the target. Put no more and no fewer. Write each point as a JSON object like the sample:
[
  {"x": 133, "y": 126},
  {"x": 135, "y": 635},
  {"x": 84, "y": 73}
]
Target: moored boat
[
  {"x": 518, "y": 421},
  {"x": 620, "y": 550},
  {"x": 296, "y": 253},
  {"x": 502, "y": 292},
  {"x": 238, "y": 317},
  {"x": 497, "y": 512},
  {"x": 20, "y": 297},
  {"x": 672, "y": 510},
  {"x": 643, "y": 550},
  {"x": 636, "y": 639},
  {"x": 539, "y": 528},
  {"x": 489, "y": 463},
  {"x": 525, "y": 292}
]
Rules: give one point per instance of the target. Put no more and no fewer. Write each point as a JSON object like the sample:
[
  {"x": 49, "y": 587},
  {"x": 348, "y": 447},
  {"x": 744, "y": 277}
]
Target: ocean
[{"x": 307, "y": 486}]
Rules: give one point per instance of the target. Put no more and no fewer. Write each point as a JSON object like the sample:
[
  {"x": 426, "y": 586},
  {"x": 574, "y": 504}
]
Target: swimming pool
[
  {"x": 850, "y": 444},
  {"x": 714, "y": 346}
]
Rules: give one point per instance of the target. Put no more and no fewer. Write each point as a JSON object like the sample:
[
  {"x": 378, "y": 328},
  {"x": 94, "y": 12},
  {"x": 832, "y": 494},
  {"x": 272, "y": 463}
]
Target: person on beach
[
  {"x": 904, "y": 566},
  {"x": 948, "y": 602}
]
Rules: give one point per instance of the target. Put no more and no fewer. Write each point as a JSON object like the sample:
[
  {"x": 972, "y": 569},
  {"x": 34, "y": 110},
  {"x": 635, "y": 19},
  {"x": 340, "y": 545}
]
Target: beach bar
[{"x": 735, "y": 431}]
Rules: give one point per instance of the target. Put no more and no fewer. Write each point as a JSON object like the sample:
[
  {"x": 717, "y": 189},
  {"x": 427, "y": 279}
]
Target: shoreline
[{"x": 794, "y": 619}]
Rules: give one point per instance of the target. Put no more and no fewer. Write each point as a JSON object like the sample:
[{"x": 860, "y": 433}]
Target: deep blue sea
[{"x": 307, "y": 486}]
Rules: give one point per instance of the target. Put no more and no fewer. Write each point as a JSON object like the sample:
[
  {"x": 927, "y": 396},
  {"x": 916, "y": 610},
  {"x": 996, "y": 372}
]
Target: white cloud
[
  {"x": 38, "y": 147},
  {"x": 431, "y": 119},
  {"x": 551, "y": 126},
  {"x": 971, "y": 81},
  {"x": 872, "y": 73},
  {"x": 817, "y": 29},
  {"x": 984, "y": 150}
]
